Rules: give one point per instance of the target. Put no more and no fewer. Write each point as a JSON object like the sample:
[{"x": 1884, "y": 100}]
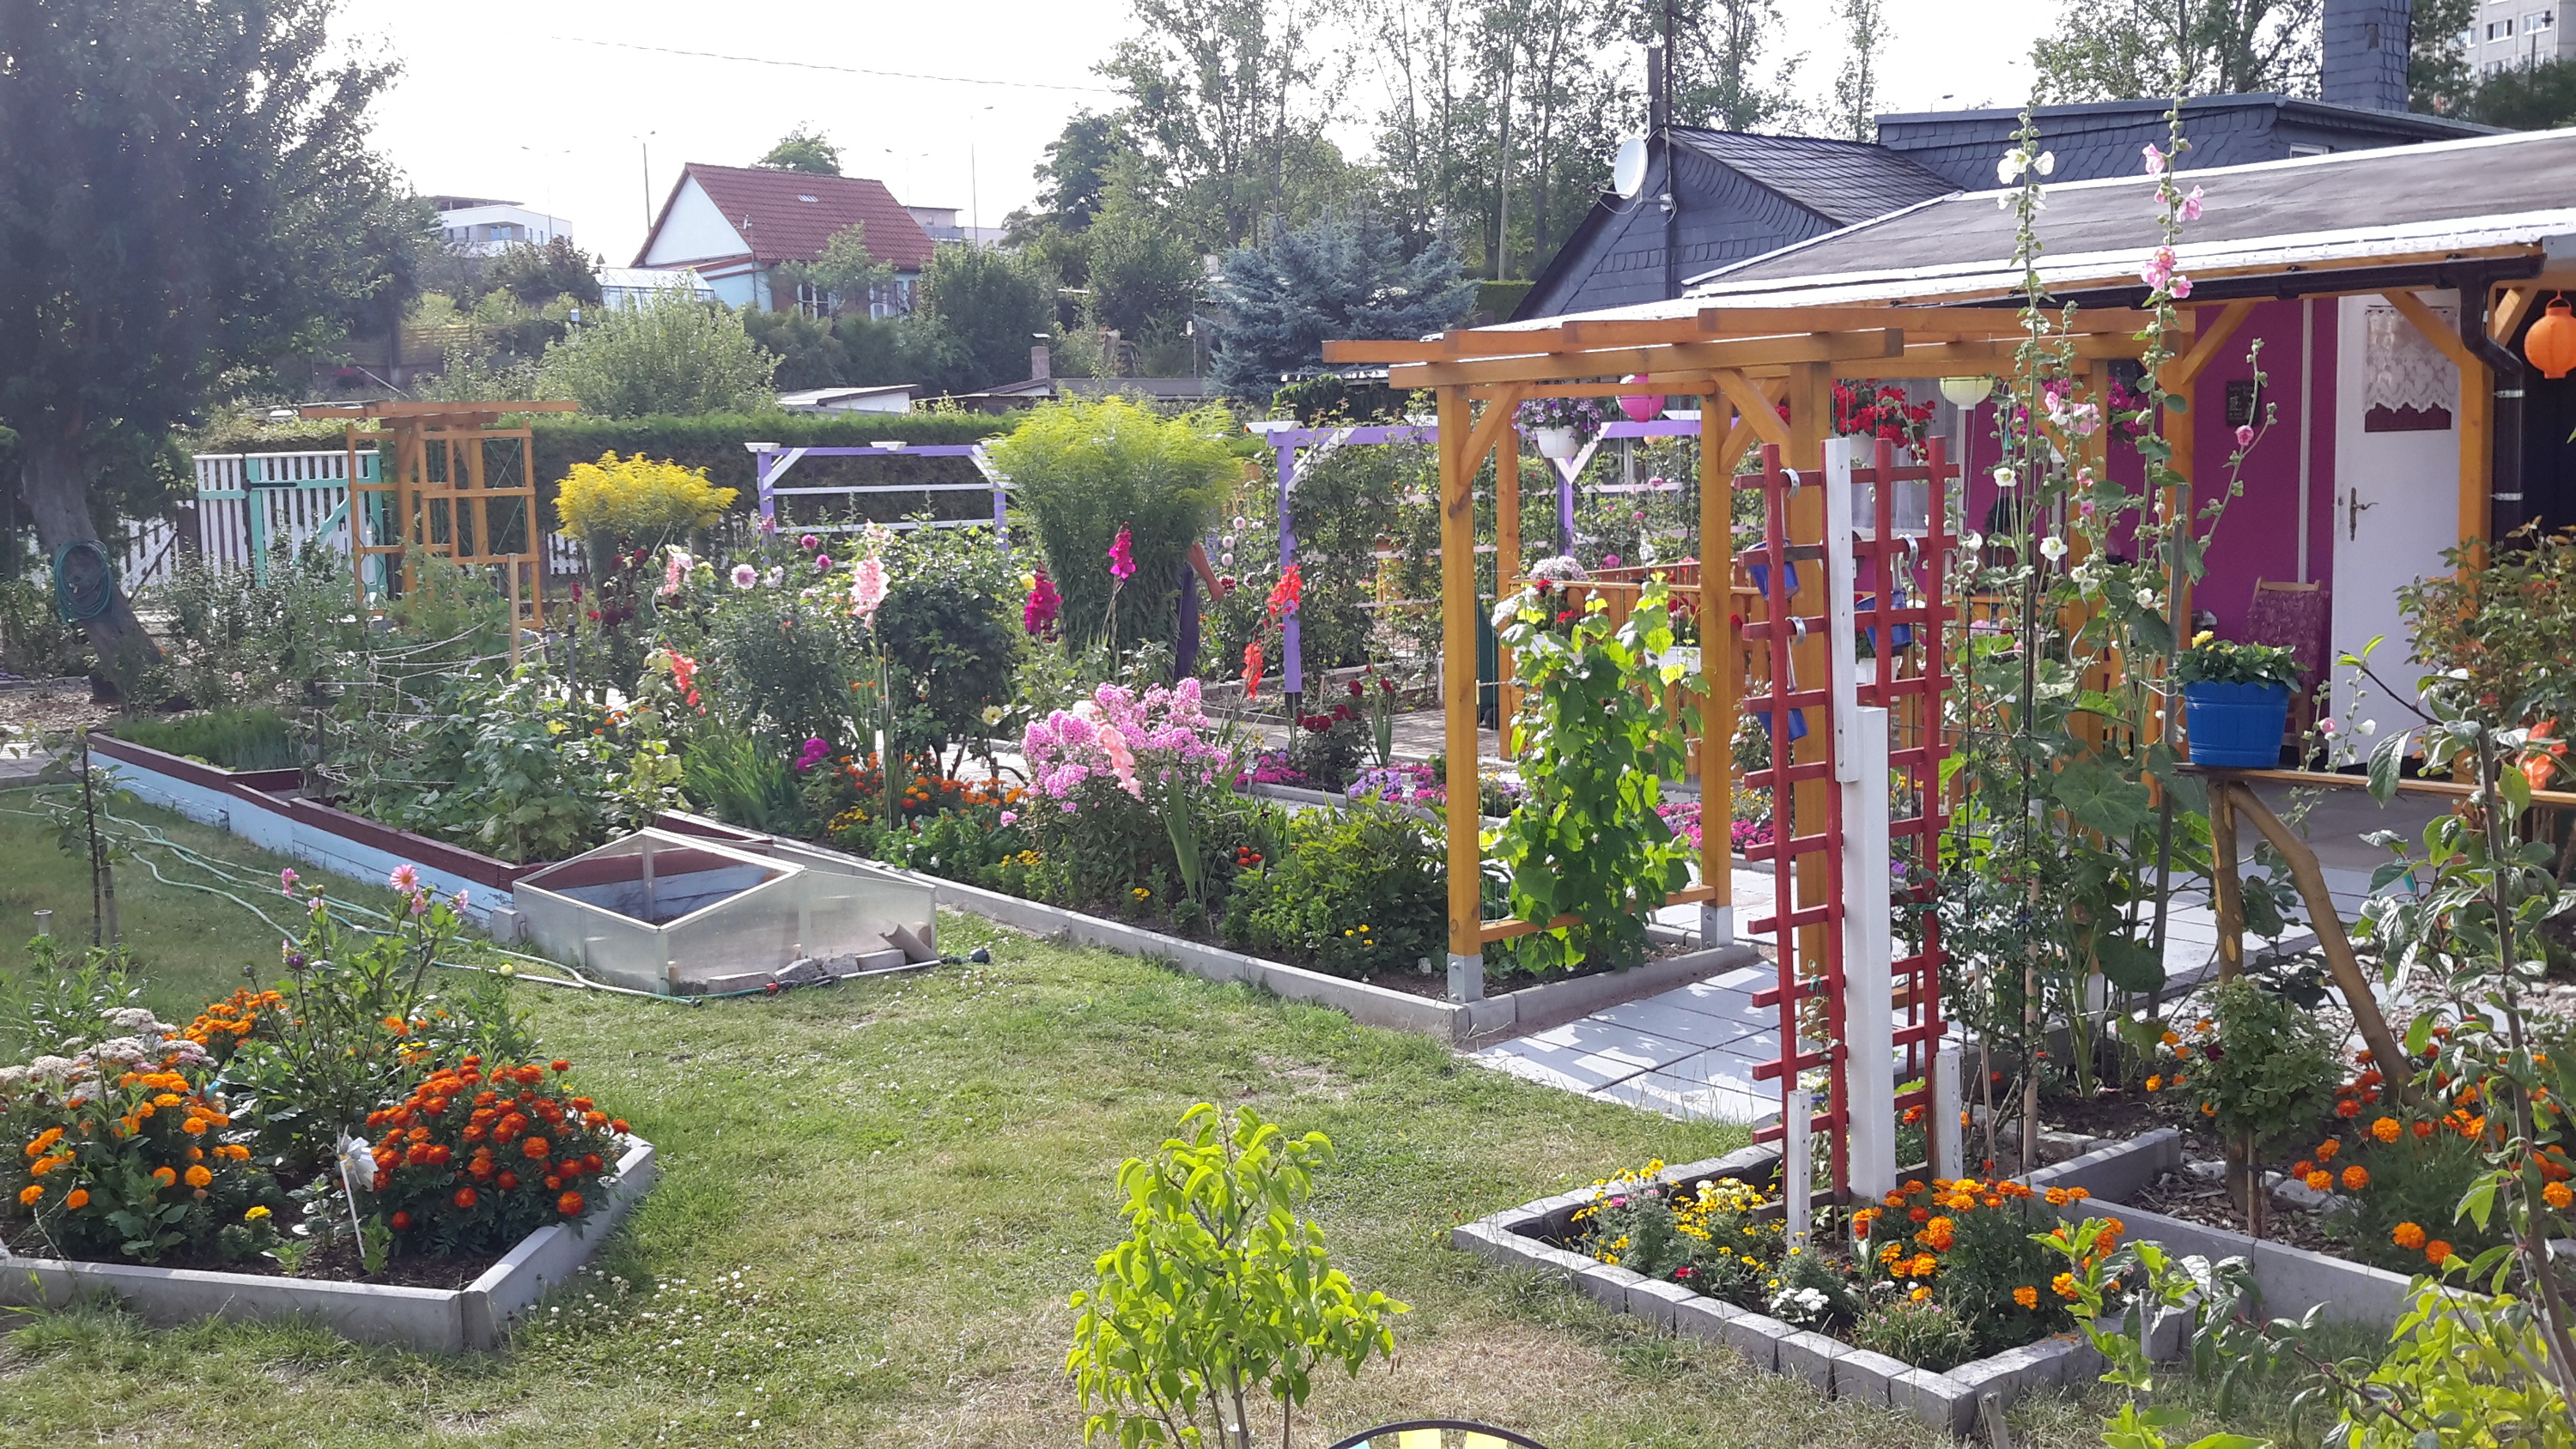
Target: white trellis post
[{"x": 1860, "y": 772}]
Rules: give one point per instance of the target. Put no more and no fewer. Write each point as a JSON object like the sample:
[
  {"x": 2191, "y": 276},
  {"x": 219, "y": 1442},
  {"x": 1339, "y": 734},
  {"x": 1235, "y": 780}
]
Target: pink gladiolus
[
  {"x": 1122, "y": 555},
  {"x": 868, "y": 588},
  {"x": 1122, "y": 761},
  {"x": 1039, "y": 613},
  {"x": 2191, "y": 205}
]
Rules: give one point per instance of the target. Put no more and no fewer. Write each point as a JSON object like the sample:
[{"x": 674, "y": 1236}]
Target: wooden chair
[{"x": 2295, "y": 616}]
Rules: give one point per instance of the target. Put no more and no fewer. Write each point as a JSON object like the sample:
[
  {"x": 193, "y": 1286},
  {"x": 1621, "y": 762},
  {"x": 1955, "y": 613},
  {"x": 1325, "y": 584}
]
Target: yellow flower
[
  {"x": 2064, "y": 1285},
  {"x": 2203, "y": 637},
  {"x": 255, "y": 1214}
]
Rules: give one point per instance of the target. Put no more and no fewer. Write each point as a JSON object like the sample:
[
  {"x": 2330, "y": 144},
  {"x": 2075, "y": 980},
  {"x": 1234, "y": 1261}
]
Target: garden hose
[{"x": 84, "y": 584}]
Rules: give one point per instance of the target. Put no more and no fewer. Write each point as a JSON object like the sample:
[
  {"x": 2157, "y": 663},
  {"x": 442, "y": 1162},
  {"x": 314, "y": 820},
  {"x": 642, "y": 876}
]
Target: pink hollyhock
[
  {"x": 2191, "y": 205},
  {"x": 2245, "y": 435},
  {"x": 1122, "y": 555},
  {"x": 2155, "y": 160}
]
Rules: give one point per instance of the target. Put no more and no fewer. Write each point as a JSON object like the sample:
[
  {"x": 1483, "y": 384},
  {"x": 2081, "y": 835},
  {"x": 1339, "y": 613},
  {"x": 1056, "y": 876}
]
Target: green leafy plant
[
  {"x": 2266, "y": 1075},
  {"x": 2212, "y": 660},
  {"x": 1222, "y": 1302},
  {"x": 236, "y": 739},
  {"x": 744, "y": 781},
  {"x": 1927, "y": 1335},
  {"x": 1353, "y": 891},
  {"x": 1595, "y": 748}
]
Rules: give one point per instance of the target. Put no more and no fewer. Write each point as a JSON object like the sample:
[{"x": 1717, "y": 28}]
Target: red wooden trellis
[{"x": 1910, "y": 686}]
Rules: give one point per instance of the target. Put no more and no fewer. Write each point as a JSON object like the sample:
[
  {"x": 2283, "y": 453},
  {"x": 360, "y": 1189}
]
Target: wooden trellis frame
[
  {"x": 1766, "y": 376},
  {"x": 461, "y": 487}
]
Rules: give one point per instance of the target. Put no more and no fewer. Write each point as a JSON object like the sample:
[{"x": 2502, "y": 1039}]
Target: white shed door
[{"x": 2396, "y": 489}]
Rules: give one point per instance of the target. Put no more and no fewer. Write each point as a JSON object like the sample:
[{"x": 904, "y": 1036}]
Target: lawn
[{"x": 877, "y": 1198}]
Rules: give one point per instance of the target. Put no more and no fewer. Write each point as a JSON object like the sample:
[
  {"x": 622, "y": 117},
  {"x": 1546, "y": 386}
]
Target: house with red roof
[{"x": 736, "y": 225}]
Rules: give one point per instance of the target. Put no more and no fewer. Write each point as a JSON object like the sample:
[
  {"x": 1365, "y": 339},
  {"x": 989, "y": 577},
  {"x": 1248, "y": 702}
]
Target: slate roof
[
  {"x": 793, "y": 213},
  {"x": 2512, "y": 190},
  {"x": 2103, "y": 138},
  {"x": 1842, "y": 181}
]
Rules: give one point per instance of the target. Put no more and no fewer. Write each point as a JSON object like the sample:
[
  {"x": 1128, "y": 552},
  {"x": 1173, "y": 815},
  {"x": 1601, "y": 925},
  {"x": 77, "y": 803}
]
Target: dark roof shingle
[{"x": 1842, "y": 181}]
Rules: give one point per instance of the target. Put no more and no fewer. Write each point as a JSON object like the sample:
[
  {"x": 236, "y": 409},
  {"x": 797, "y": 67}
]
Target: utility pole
[
  {"x": 1659, "y": 120},
  {"x": 1503, "y": 178}
]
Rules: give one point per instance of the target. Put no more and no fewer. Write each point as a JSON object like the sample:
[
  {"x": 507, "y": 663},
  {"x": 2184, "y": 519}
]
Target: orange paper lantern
[{"x": 2551, "y": 343}]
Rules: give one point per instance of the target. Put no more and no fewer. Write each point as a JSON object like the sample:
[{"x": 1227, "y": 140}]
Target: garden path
[{"x": 1689, "y": 1053}]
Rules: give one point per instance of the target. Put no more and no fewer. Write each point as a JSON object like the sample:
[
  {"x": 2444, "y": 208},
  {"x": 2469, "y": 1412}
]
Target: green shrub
[
  {"x": 1083, "y": 471},
  {"x": 236, "y": 739},
  {"x": 950, "y": 634},
  {"x": 670, "y": 354},
  {"x": 743, "y": 781},
  {"x": 235, "y": 636},
  {"x": 784, "y": 674},
  {"x": 35, "y": 643},
  {"x": 1353, "y": 892}
]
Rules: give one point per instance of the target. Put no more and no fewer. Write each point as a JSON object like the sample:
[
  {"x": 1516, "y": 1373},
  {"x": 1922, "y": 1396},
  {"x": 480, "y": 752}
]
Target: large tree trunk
[{"x": 54, "y": 481}]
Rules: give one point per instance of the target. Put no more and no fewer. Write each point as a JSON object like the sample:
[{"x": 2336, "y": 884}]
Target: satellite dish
[{"x": 1628, "y": 168}]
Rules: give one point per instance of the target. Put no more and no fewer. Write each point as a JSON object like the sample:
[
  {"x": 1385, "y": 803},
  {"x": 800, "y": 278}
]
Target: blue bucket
[{"x": 2236, "y": 726}]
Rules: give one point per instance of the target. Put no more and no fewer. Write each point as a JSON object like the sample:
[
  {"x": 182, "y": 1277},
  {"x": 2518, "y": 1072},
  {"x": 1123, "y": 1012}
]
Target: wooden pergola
[
  {"x": 461, "y": 487},
  {"x": 1766, "y": 375}
]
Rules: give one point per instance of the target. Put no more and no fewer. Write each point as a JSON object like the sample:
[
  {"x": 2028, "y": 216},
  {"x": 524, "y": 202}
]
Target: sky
[{"x": 586, "y": 109}]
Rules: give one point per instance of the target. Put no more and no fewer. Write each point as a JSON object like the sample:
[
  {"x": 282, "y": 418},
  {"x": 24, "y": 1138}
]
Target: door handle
[{"x": 2352, "y": 513}]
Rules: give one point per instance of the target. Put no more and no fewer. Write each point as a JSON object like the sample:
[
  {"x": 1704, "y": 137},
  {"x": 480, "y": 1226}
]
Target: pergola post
[
  {"x": 1718, "y": 655},
  {"x": 1458, "y": 695}
]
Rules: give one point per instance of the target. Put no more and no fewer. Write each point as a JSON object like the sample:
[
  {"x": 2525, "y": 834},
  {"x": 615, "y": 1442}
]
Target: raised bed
[
  {"x": 1455, "y": 1021},
  {"x": 268, "y": 809},
  {"x": 433, "y": 1320},
  {"x": 2292, "y": 1282}
]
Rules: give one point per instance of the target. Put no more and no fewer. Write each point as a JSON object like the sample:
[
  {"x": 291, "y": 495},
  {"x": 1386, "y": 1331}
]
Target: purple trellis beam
[{"x": 770, "y": 462}]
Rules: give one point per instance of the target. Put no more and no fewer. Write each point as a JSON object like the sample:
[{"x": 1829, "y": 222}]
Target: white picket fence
[{"x": 248, "y": 504}]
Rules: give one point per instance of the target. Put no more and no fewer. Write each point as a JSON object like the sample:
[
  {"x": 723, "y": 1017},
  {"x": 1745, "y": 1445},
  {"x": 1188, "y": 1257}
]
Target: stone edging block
[{"x": 431, "y": 1319}]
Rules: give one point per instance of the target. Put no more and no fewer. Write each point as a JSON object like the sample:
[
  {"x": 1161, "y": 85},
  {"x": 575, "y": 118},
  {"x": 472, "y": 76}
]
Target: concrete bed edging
[
  {"x": 2291, "y": 1280},
  {"x": 434, "y": 1320},
  {"x": 1453, "y": 1021}
]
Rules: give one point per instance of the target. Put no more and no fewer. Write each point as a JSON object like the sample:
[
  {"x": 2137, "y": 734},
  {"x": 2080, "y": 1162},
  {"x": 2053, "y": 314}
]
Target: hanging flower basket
[
  {"x": 1560, "y": 425},
  {"x": 1557, "y": 442}
]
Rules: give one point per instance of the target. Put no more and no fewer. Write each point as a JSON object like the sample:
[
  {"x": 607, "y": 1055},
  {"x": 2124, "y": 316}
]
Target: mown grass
[{"x": 877, "y": 1199}]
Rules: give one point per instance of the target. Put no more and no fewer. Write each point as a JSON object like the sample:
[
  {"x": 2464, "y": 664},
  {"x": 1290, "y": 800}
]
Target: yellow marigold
[
  {"x": 1924, "y": 1264},
  {"x": 255, "y": 1214},
  {"x": 2056, "y": 1197},
  {"x": 198, "y": 1176},
  {"x": 1891, "y": 1253},
  {"x": 1921, "y": 1294},
  {"x": 2385, "y": 1129},
  {"x": 2026, "y": 1296},
  {"x": 2155, "y": 1084},
  {"x": 2064, "y": 1286}
]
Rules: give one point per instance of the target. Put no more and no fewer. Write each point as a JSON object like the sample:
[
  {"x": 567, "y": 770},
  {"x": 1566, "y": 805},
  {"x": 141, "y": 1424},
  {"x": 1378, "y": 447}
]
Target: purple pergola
[{"x": 1288, "y": 440}]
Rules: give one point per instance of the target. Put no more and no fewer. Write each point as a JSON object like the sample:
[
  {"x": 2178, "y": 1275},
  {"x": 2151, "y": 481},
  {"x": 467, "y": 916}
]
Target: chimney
[
  {"x": 2366, "y": 51},
  {"x": 1041, "y": 364}
]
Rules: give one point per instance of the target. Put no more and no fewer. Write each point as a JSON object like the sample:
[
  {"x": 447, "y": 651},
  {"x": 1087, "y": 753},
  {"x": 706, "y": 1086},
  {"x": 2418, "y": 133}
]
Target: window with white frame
[
  {"x": 2499, "y": 30},
  {"x": 2539, "y": 20}
]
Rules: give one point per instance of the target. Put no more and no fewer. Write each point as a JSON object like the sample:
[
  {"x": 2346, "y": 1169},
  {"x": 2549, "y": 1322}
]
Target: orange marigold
[
  {"x": 163, "y": 1177},
  {"x": 2355, "y": 1178},
  {"x": 198, "y": 1176},
  {"x": 2026, "y": 1296},
  {"x": 27, "y": 1195},
  {"x": 2408, "y": 1235},
  {"x": 2327, "y": 1149},
  {"x": 2558, "y": 1195},
  {"x": 2437, "y": 1252},
  {"x": 2385, "y": 1129},
  {"x": 2064, "y": 1286},
  {"x": 76, "y": 1199},
  {"x": 2320, "y": 1180}
]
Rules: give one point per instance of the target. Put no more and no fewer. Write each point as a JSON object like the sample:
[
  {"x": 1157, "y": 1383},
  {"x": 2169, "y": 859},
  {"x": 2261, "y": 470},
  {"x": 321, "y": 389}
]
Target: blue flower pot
[{"x": 2236, "y": 726}]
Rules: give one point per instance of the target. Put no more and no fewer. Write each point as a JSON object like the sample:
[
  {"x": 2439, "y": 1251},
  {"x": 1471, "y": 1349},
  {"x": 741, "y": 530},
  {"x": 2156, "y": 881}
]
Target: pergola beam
[{"x": 1612, "y": 363}]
